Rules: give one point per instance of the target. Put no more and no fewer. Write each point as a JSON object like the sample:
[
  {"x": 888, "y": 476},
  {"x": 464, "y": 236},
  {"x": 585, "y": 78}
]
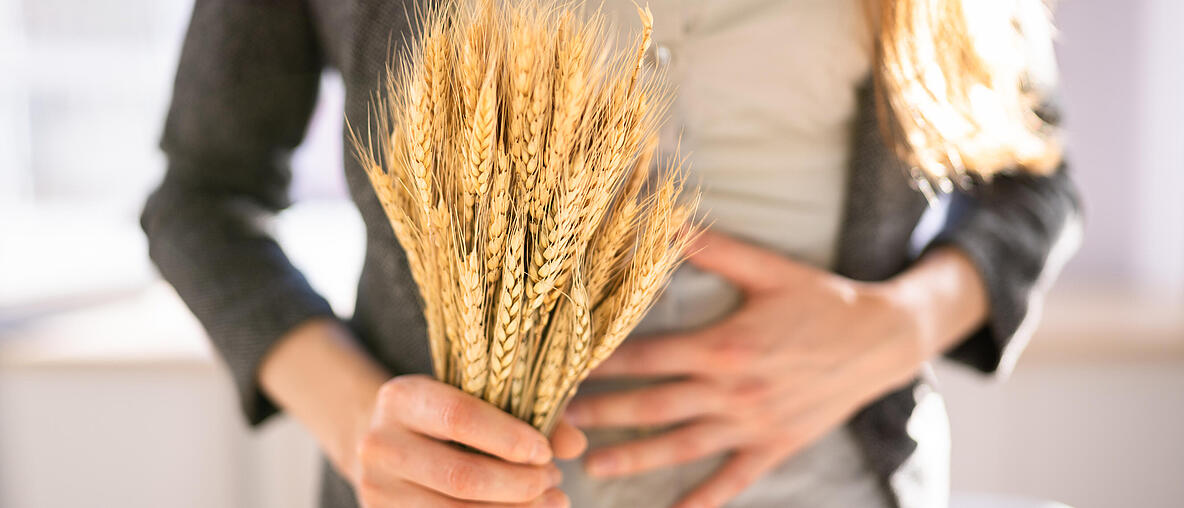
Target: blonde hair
[{"x": 958, "y": 84}]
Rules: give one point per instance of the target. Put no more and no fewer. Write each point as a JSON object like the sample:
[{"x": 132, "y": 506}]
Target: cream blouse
[{"x": 766, "y": 93}]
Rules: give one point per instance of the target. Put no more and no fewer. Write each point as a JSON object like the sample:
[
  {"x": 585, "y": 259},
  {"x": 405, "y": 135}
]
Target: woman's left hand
[{"x": 803, "y": 353}]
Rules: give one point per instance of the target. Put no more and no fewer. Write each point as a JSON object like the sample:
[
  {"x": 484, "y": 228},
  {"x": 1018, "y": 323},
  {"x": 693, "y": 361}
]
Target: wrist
[
  {"x": 323, "y": 379},
  {"x": 359, "y": 399},
  {"x": 944, "y": 297},
  {"x": 914, "y": 305}
]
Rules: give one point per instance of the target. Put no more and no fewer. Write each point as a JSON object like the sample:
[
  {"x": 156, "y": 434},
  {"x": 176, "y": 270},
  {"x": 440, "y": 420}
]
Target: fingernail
[
  {"x": 556, "y": 476},
  {"x": 555, "y": 499},
  {"x": 601, "y": 465}
]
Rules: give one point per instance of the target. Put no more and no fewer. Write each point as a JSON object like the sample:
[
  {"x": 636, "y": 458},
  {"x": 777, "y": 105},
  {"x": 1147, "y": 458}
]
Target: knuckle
[
  {"x": 454, "y": 415},
  {"x": 460, "y": 479},
  {"x": 369, "y": 491},
  {"x": 688, "y": 446},
  {"x": 519, "y": 445},
  {"x": 535, "y": 484},
  {"x": 655, "y": 406},
  {"x": 397, "y": 391},
  {"x": 365, "y": 487},
  {"x": 731, "y": 353},
  {"x": 369, "y": 449},
  {"x": 751, "y": 392}
]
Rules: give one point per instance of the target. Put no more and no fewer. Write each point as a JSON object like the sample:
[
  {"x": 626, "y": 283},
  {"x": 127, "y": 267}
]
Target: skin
[
  {"x": 396, "y": 439},
  {"x": 804, "y": 352}
]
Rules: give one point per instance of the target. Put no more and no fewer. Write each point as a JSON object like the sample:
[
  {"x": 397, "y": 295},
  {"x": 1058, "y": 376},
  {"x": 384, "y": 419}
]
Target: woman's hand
[
  {"x": 395, "y": 440},
  {"x": 409, "y": 455},
  {"x": 805, "y": 351}
]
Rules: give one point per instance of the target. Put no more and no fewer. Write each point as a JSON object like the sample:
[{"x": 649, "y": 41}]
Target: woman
[{"x": 781, "y": 367}]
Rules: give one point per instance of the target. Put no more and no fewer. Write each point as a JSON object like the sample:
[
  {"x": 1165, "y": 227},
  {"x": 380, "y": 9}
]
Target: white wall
[
  {"x": 1121, "y": 80},
  {"x": 142, "y": 436},
  {"x": 1088, "y": 434}
]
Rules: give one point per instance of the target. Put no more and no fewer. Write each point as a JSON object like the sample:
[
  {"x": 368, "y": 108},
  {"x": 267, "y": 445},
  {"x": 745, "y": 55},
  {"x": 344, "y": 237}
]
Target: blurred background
[{"x": 110, "y": 396}]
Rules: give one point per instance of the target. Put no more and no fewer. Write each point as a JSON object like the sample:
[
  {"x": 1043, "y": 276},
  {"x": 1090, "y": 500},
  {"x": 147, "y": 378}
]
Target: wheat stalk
[{"x": 506, "y": 150}]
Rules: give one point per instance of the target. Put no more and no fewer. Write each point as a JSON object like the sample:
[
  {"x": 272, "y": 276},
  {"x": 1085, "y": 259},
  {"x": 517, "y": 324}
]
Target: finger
[
  {"x": 402, "y": 494},
  {"x": 678, "y": 446},
  {"x": 455, "y": 473},
  {"x": 553, "y": 498},
  {"x": 664, "y": 403},
  {"x": 740, "y": 471},
  {"x": 568, "y": 442},
  {"x": 664, "y": 355},
  {"x": 752, "y": 268},
  {"x": 447, "y": 413}
]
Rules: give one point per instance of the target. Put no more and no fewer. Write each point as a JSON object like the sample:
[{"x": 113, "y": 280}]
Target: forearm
[
  {"x": 318, "y": 374},
  {"x": 946, "y": 295}
]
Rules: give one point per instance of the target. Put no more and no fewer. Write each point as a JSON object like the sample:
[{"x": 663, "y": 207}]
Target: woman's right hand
[
  {"x": 394, "y": 439},
  {"x": 408, "y": 456}
]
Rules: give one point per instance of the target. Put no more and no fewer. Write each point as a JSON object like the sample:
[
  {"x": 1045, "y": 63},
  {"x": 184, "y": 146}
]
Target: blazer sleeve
[
  {"x": 1019, "y": 230},
  {"x": 245, "y": 88}
]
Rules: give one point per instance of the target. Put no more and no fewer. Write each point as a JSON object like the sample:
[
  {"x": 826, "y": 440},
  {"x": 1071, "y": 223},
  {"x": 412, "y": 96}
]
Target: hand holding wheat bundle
[{"x": 510, "y": 150}]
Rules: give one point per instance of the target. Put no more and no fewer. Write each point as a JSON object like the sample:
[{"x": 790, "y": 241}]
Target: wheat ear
[
  {"x": 508, "y": 314},
  {"x": 579, "y": 350},
  {"x": 474, "y": 343},
  {"x": 504, "y": 161},
  {"x": 495, "y": 234},
  {"x": 660, "y": 247},
  {"x": 481, "y": 140}
]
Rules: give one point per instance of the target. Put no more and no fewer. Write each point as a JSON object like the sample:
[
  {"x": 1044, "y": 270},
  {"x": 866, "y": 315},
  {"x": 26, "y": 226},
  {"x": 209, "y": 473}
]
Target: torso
[
  {"x": 818, "y": 66},
  {"x": 766, "y": 92}
]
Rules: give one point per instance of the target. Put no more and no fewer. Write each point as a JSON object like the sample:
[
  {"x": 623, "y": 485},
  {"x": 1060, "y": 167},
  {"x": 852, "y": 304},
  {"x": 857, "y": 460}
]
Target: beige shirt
[
  {"x": 766, "y": 91},
  {"x": 765, "y": 94}
]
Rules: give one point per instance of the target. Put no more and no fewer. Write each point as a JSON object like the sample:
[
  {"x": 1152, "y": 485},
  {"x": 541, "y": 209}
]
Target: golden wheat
[
  {"x": 508, "y": 316},
  {"x": 506, "y": 150}
]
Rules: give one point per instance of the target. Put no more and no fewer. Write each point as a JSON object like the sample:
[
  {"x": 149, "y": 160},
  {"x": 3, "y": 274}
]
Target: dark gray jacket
[{"x": 245, "y": 88}]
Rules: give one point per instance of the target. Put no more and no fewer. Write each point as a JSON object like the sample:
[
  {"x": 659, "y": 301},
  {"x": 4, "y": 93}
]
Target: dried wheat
[{"x": 506, "y": 153}]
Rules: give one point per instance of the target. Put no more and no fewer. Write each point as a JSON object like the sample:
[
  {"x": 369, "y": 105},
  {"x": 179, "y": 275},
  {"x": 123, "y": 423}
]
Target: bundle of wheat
[{"x": 511, "y": 149}]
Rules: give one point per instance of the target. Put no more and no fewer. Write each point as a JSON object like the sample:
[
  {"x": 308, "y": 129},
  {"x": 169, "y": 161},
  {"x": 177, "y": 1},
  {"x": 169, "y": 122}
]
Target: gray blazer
[{"x": 246, "y": 85}]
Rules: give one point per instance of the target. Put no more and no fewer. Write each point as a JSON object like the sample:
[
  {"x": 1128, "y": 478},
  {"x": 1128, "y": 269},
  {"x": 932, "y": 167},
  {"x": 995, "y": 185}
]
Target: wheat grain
[
  {"x": 538, "y": 115},
  {"x": 419, "y": 143},
  {"x": 577, "y": 319},
  {"x": 474, "y": 345},
  {"x": 579, "y": 347},
  {"x": 480, "y": 142},
  {"x": 508, "y": 159},
  {"x": 522, "y": 47},
  {"x": 550, "y": 374},
  {"x": 498, "y": 220},
  {"x": 661, "y": 245},
  {"x": 508, "y": 315}
]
